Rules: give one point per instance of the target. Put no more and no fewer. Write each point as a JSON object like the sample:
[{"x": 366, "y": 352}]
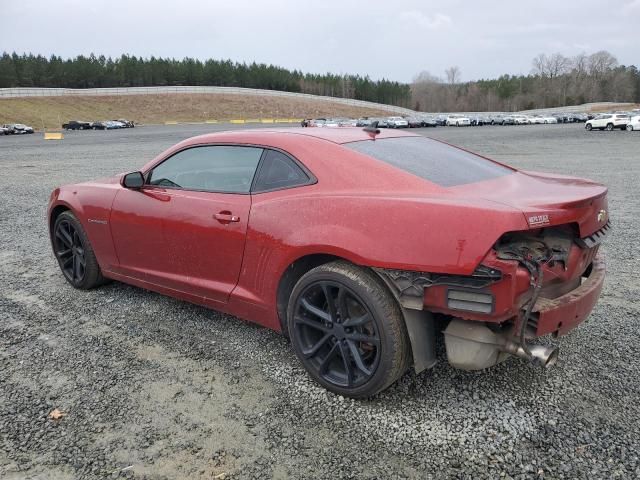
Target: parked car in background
[
  {"x": 429, "y": 122},
  {"x": 608, "y": 121},
  {"x": 17, "y": 129},
  {"x": 363, "y": 122},
  {"x": 549, "y": 119},
  {"x": 634, "y": 123},
  {"x": 397, "y": 122},
  {"x": 441, "y": 120},
  {"x": 508, "y": 120},
  {"x": 346, "y": 122},
  {"x": 99, "y": 125},
  {"x": 317, "y": 122},
  {"x": 4, "y": 131},
  {"x": 581, "y": 117},
  {"x": 520, "y": 119},
  {"x": 561, "y": 117},
  {"x": 415, "y": 122},
  {"x": 76, "y": 125},
  {"x": 381, "y": 122},
  {"x": 458, "y": 121},
  {"x": 125, "y": 123},
  {"x": 478, "y": 120},
  {"x": 496, "y": 119}
]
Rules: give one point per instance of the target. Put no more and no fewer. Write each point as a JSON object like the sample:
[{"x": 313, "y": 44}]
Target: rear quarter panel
[{"x": 387, "y": 231}]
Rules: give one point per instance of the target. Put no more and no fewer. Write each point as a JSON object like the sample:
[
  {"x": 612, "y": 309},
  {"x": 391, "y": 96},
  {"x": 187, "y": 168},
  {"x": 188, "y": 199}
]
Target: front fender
[{"x": 91, "y": 204}]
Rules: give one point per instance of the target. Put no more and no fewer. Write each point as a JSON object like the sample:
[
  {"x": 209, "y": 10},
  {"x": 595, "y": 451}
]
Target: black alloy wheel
[
  {"x": 70, "y": 252},
  {"x": 337, "y": 333},
  {"x": 348, "y": 330},
  {"x": 74, "y": 253}
]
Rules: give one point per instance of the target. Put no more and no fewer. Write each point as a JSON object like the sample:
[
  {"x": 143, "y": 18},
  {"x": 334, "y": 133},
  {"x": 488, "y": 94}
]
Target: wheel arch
[
  {"x": 55, "y": 213},
  {"x": 294, "y": 271}
]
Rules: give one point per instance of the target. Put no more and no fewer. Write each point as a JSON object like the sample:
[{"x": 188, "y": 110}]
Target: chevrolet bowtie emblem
[{"x": 602, "y": 216}]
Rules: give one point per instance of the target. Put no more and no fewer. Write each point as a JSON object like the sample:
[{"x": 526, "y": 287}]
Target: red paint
[{"x": 360, "y": 209}]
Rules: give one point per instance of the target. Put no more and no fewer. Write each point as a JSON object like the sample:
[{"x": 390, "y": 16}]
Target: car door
[{"x": 185, "y": 228}]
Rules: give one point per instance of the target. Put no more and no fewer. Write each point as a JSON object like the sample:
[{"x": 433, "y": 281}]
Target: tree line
[
  {"x": 554, "y": 81},
  {"x": 28, "y": 70}
]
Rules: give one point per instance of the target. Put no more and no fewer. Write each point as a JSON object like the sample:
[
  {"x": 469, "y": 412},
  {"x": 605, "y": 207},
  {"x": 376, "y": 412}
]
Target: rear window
[{"x": 431, "y": 160}]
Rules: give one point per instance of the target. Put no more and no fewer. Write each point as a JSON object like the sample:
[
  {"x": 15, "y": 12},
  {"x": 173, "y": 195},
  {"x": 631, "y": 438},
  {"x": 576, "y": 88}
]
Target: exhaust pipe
[
  {"x": 540, "y": 355},
  {"x": 473, "y": 346}
]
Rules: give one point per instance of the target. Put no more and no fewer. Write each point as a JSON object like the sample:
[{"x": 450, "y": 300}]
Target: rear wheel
[
  {"x": 74, "y": 253},
  {"x": 347, "y": 330}
]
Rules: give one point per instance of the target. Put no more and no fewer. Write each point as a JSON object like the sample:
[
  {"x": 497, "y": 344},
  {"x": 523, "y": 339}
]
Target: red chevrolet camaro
[{"x": 361, "y": 246}]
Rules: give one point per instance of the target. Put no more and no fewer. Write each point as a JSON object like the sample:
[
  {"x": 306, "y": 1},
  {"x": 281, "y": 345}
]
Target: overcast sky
[{"x": 392, "y": 39}]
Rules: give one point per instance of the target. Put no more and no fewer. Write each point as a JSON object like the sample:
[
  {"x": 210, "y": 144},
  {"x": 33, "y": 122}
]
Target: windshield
[{"x": 431, "y": 160}]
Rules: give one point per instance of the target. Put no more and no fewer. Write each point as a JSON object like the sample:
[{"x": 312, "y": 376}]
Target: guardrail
[{"x": 63, "y": 92}]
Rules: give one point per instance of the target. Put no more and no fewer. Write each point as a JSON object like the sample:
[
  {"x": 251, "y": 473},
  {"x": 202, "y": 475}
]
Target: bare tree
[
  {"x": 426, "y": 77},
  {"x": 453, "y": 75},
  {"x": 540, "y": 65},
  {"x": 601, "y": 62},
  {"x": 552, "y": 66},
  {"x": 557, "y": 65}
]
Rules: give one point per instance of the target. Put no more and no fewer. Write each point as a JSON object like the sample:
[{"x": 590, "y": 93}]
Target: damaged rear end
[{"x": 541, "y": 281}]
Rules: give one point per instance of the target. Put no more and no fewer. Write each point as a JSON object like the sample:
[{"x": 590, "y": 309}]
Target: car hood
[{"x": 546, "y": 199}]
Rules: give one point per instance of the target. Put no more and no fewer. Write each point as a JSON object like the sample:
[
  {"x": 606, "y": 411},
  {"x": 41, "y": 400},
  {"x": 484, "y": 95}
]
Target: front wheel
[
  {"x": 609, "y": 127},
  {"x": 588, "y": 127},
  {"x": 74, "y": 253},
  {"x": 629, "y": 128},
  {"x": 347, "y": 330}
]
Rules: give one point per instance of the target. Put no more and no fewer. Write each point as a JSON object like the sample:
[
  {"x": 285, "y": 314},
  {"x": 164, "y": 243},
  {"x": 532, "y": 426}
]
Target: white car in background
[
  {"x": 536, "y": 120},
  {"x": 397, "y": 122},
  {"x": 520, "y": 119},
  {"x": 608, "y": 121},
  {"x": 548, "y": 119},
  {"x": 634, "y": 124},
  {"x": 458, "y": 121}
]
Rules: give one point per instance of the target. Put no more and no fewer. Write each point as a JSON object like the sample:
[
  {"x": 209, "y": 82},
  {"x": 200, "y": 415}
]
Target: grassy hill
[{"x": 53, "y": 111}]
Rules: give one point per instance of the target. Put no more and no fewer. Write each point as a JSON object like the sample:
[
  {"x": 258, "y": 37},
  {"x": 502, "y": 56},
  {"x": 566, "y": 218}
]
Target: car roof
[{"x": 337, "y": 135}]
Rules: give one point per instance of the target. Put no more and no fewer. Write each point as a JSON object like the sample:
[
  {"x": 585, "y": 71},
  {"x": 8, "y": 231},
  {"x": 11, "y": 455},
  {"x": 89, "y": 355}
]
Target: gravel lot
[{"x": 155, "y": 388}]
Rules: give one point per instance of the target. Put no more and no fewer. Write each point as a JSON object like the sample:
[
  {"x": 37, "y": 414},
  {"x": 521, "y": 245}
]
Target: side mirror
[{"x": 133, "y": 180}]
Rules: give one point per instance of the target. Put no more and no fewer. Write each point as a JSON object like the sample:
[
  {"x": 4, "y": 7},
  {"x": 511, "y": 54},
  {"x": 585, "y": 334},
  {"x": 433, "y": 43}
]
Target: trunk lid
[{"x": 546, "y": 199}]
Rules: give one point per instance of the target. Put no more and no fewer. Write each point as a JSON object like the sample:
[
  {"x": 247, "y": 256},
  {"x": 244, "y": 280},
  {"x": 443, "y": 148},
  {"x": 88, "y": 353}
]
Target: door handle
[{"x": 226, "y": 217}]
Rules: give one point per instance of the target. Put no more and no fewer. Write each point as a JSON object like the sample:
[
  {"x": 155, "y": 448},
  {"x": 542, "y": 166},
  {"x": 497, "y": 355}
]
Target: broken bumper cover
[{"x": 562, "y": 314}]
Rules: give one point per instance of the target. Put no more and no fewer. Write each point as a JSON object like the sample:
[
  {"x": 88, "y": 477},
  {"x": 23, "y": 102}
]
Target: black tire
[
  {"x": 358, "y": 353},
  {"x": 73, "y": 251},
  {"x": 609, "y": 127},
  {"x": 629, "y": 128},
  {"x": 588, "y": 127}
]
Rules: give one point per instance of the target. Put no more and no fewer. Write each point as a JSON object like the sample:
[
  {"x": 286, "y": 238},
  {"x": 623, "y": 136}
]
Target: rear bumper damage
[
  {"x": 487, "y": 310},
  {"x": 473, "y": 345},
  {"x": 562, "y": 314}
]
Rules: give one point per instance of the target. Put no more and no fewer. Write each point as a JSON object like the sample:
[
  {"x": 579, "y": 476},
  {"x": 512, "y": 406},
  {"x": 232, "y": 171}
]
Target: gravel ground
[{"x": 155, "y": 388}]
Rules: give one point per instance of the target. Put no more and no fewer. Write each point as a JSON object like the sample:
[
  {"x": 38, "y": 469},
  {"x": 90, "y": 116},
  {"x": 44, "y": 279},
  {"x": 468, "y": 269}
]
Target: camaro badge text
[
  {"x": 537, "y": 220},
  {"x": 93, "y": 220}
]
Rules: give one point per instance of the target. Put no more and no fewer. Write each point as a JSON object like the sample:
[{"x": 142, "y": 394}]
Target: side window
[
  {"x": 215, "y": 168},
  {"x": 278, "y": 171}
]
